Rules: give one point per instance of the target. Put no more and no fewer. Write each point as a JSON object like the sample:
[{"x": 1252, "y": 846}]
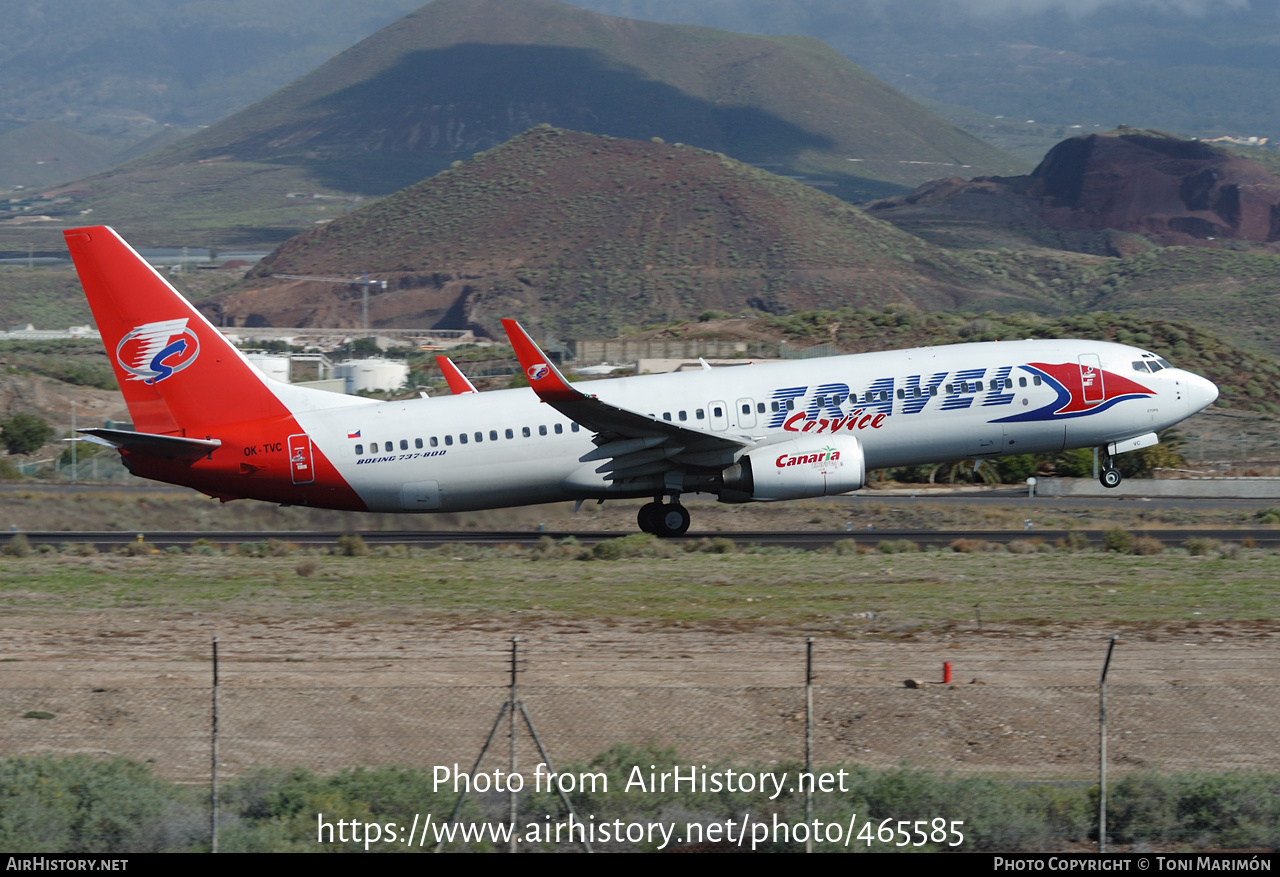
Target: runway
[{"x": 817, "y": 539}]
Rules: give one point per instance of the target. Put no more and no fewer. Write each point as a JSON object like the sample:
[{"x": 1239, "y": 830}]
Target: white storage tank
[
  {"x": 270, "y": 364},
  {"x": 372, "y": 374}
]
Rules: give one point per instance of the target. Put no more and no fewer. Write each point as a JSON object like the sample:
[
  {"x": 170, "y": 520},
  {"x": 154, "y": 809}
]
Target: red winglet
[
  {"x": 458, "y": 383},
  {"x": 543, "y": 376}
]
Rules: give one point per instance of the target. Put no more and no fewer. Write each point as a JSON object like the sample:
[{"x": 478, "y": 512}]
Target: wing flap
[{"x": 620, "y": 433}]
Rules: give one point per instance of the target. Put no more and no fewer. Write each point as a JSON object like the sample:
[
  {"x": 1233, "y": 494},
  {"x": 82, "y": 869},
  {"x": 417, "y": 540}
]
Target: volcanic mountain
[
  {"x": 461, "y": 76},
  {"x": 585, "y": 234},
  {"x": 1171, "y": 191}
]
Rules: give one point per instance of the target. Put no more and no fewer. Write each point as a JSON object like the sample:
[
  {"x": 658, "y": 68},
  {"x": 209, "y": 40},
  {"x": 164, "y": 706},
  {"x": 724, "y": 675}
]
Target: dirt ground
[{"x": 327, "y": 693}]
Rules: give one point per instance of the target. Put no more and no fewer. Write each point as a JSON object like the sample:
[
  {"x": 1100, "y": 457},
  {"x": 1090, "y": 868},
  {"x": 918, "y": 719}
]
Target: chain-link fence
[
  {"x": 1024, "y": 733},
  {"x": 940, "y": 737}
]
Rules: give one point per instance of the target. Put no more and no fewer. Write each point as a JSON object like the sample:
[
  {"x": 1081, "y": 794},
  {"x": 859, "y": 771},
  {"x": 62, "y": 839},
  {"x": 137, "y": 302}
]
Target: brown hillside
[
  {"x": 585, "y": 234},
  {"x": 1171, "y": 191}
]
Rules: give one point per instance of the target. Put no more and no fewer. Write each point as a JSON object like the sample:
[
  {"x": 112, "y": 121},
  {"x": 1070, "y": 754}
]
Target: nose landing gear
[
  {"x": 664, "y": 519},
  {"x": 1109, "y": 476}
]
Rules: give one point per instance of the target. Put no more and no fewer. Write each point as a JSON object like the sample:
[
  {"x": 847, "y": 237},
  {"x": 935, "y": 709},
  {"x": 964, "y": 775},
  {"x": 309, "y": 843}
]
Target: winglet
[
  {"x": 543, "y": 376},
  {"x": 458, "y": 383}
]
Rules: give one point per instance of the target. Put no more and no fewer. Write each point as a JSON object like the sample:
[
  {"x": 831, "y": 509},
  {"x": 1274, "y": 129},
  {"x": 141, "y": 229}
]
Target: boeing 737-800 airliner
[{"x": 205, "y": 418}]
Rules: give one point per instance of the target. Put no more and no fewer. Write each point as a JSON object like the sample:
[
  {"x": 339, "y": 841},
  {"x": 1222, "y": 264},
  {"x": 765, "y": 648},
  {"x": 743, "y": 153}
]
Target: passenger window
[
  {"x": 404, "y": 444},
  {"x": 700, "y": 414},
  {"x": 448, "y": 440},
  {"x": 950, "y": 388},
  {"x": 510, "y": 434},
  {"x": 479, "y": 436},
  {"x": 525, "y": 432},
  {"x": 933, "y": 391},
  {"x": 1035, "y": 379},
  {"x": 359, "y": 450},
  {"x": 1022, "y": 382},
  {"x": 542, "y": 430},
  {"x": 759, "y": 408},
  {"x": 666, "y": 415},
  {"x": 390, "y": 447},
  {"x": 683, "y": 415},
  {"x": 773, "y": 406},
  {"x": 559, "y": 429},
  {"x": 573, "y": 427},
  {"x": 417, "y": 443},
  {"x": 791, "y": 404},
  {"x": 746, "y": 408},
  {"x": 462, "y": 438},
  {"x": 493, "y": 435},
  {"x": 435, "y": 442},
  {"x": 717, "y": 411},
  {"x": 1008, "y": 384},
  {"x": 822, "y": 403},
  {"x": 902, "y": 394},
  {"x": 994, "y": 385}
]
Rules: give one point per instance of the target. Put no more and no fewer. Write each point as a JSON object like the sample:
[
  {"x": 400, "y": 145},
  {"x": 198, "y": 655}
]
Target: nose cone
[{"x": 1201, "y": 393}]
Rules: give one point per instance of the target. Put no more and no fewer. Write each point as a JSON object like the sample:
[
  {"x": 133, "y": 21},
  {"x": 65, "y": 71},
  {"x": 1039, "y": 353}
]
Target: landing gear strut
[
  {"x": 663, "y": 519},
  {"x": 1110, "y": 475}
]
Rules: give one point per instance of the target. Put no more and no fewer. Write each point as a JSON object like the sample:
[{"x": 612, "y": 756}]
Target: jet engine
[{"x": 802, "y": 467}]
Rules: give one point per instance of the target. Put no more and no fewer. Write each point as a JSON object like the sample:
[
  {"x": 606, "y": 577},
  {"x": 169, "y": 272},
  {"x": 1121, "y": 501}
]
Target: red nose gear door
[{"x": 300, "y": 459}]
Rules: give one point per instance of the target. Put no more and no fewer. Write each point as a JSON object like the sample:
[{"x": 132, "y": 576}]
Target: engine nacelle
[{"x": 803, "y": 467}]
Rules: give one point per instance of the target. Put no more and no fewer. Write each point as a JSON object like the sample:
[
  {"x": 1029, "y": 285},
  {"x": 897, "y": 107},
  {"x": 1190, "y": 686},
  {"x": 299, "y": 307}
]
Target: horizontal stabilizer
[{"x": 171, "y": 447}]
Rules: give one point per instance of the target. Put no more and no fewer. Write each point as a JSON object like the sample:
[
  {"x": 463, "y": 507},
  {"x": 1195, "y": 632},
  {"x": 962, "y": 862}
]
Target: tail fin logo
[
  {"x": 538, "y": 371},
  {"x": 153, "y": 352}
]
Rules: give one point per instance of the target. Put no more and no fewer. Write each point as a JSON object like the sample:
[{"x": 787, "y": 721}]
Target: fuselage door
[
  {"x": 1091, "y": 378},
  {"x": 746, "y": 414},
  {"x": 719, "y": 416},
  {"x": 300, "y": 459}
]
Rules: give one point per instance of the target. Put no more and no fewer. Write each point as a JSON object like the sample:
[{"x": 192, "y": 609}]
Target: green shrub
[
  {"x": 1199, "y": 547},
  {"x": 1117, "y": 539},
  {"x": 1075, "y": 541},
  {"x": 18, "y": 545},
  {"x": 897, "y": 546},
  {"x": 352, "y": 545},
  {"x": 203, "y": 546},
  {"x": 77, "y": 804}
]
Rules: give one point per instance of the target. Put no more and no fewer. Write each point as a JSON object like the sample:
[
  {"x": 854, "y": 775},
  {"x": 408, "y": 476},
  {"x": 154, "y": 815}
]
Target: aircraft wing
[
  {"x": 634, "y": 443},
  {"x": 173, "y": 447},
  {"x": 458, "y": 383}
]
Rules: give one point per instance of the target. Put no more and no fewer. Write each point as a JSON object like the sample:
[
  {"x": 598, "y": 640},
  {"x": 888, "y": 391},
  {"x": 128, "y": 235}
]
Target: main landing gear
[
  {"x": 663, "y": 519},
  {"x": 1109, "y": 476}
]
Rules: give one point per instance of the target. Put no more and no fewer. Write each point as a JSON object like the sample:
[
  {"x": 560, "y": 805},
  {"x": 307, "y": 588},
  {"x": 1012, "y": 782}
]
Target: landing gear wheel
[
  {"x": 1110, "y": 477},
  {"x": 647, "y": 517},
  {"x": 672, "y": 520}
]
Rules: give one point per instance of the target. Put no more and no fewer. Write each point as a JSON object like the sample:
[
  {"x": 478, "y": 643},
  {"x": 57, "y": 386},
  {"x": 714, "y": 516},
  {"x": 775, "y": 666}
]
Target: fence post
[
  {"x": 808, "y": 737},
  {"x": 1102, "y": 750},
  {"x": 213, "y": 758},
  {"x": 515, "y": 645}
]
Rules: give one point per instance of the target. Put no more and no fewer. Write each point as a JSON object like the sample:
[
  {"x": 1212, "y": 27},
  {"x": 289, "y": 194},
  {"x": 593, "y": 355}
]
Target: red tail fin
[{"x": 178, "y": 373}]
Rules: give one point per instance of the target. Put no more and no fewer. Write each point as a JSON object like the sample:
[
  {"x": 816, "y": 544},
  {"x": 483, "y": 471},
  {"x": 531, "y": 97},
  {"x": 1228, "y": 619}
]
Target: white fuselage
[{"x": 907, "y": 407}]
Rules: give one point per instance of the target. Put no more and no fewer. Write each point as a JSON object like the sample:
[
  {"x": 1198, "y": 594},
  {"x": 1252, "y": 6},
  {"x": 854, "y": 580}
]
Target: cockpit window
[
  {"x": 1155, "y": 365},
  {"x": 1163, "y": 363},
  {"x": 1140, "y": 366}
]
